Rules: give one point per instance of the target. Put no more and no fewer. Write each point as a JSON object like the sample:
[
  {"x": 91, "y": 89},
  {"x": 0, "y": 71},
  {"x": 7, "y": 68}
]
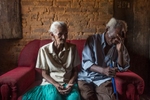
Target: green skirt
[{"x": 49, "y": 92}]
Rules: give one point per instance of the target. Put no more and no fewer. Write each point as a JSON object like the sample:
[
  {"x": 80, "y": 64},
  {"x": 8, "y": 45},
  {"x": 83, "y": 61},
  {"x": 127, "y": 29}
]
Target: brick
[
  {"x": 45, "y": 36},
  {"x": 88, "y": 0},
  {"x": 26, "y": 29},
  {"x": 44, "y": 3},
  {"x": 46, "y": 22},
  {"x": 63, "y": 3},
  {"x": 86, "y": 4},
  {"x": 64, "y": 0},
  {"x": 37, "y": 3},
  {"x": 89, "y": 30},
  {"x": 97, "y": 23},
  {"x": 56, "y": 9},
  {"x": 47, "y": 16},
  {"x": 38, "y": 9},
  {"x": 29, "y": 3},
  {"x": 91, "y": 9},
  {"x": 75, "y": 4},
  {"x": 35, "y": 23},
  {"x": 25, "y": 9},
  {"x": 101, "y": 30},
  {"x": 39, "y": 29},
  {"x": 73, "y": 10}
]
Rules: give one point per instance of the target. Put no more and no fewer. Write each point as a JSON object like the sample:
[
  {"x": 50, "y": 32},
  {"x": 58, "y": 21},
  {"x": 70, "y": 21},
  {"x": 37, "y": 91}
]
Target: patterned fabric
[{"x": 49, "y": 92}]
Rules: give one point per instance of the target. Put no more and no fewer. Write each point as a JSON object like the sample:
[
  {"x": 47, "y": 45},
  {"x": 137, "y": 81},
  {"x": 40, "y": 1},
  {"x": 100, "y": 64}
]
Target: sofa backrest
[
  {"x": 80, "y": 45},
  {"x": 28, "y": 55}
]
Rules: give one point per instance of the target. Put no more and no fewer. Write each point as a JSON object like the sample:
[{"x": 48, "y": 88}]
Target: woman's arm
[
  {"x": 74, "y": 76},
  {"x": 48, "y": 78},
  {"x": 59, "y": 87},
  {"x": 72, "y": 80}
]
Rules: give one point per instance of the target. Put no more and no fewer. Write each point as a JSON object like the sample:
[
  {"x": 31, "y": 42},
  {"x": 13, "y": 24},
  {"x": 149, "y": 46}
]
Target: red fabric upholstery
[
  {"x": 5, "y": 91},
  {"x": 129, "y": 85},
  {"x": 28, "y": 55},
  {"x": 80, "y": 45},
  {"x": 25, "y": 76},
  {"x": 17, "y": 80}
]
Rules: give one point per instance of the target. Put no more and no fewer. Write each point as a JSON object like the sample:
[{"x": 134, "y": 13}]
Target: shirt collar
[
  {"x": 103, "y": 42},
  {"x": 51, "y": 50}
]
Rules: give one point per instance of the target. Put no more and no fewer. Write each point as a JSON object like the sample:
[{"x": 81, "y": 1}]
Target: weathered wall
[
  {"x": 84, "y": 17},
  {"x": 11, "y": 24},
  {"x": 138, "y": 36},
  {"x": 140, "y": 45}
]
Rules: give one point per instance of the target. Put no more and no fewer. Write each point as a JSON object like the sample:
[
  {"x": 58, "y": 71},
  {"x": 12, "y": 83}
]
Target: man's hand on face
[{"x": 120, "y": 42}]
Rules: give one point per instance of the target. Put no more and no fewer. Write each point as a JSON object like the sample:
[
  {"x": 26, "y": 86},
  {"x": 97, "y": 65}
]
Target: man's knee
[
  {"x": 87, "y": 90},
  {"x": 88, "y": 97}
]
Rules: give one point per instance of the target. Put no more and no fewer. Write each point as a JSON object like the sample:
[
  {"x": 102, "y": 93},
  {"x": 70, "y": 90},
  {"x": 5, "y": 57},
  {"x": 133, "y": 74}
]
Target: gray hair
[
  {"x": 57, "y": 24},
  {"x": 114, "y": 23}
]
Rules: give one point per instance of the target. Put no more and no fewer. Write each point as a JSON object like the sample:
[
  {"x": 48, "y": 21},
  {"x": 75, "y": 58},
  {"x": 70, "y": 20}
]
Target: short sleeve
[{"x": 41, "y": 60}]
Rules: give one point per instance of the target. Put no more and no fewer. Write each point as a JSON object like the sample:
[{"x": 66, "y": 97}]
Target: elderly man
[
  {"x": 99, "y": 53},
  {"x": 58, "y": 61}
]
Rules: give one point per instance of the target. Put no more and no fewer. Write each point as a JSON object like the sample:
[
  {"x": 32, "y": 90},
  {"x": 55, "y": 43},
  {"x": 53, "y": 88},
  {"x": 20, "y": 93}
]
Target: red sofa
[{"x": 16, "y": 82}]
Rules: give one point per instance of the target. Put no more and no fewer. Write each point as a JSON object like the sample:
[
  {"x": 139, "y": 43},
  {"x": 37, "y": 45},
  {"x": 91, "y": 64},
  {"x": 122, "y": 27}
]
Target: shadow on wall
[
  {"x": 141, "y": 65},
  {"x": 8, "y": 60}
]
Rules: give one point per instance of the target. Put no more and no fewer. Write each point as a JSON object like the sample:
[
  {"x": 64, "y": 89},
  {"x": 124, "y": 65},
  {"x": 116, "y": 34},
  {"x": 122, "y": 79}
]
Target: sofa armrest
[
  {"x": 129, "y": 83},
  {"x": 17, "y": 80}
]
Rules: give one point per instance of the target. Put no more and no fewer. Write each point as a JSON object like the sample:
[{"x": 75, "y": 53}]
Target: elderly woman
[{"x": 58, "y": 61}]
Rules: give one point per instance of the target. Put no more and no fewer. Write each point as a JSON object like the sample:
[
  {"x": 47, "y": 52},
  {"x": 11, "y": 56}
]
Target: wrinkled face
[
  {"x": 114, "y": 37},
  {"x": 60, "y": 35}
]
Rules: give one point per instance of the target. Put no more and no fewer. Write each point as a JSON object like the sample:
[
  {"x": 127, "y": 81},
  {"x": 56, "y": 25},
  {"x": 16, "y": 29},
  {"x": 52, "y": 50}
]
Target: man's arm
[
  {"x": 120, "y": 54},
  {"x": 123, "y": 56},
  {"x": 103, "y": 70}
]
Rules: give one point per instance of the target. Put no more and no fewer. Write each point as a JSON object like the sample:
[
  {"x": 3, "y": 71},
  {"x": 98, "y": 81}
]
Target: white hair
[
  {"x": 57, "y": 24},
  {"x": 114, "y": 23}
]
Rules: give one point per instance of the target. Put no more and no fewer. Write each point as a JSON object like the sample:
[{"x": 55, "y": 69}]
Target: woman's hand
[
  {"x": 64, "y": 90},
  {"x": 68, "y": 88},
  {"x": 60, "y": 88}
]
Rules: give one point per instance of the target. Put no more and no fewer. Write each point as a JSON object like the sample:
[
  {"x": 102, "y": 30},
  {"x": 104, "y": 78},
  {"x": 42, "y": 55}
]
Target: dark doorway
[{"x": 136, "y": 14}]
